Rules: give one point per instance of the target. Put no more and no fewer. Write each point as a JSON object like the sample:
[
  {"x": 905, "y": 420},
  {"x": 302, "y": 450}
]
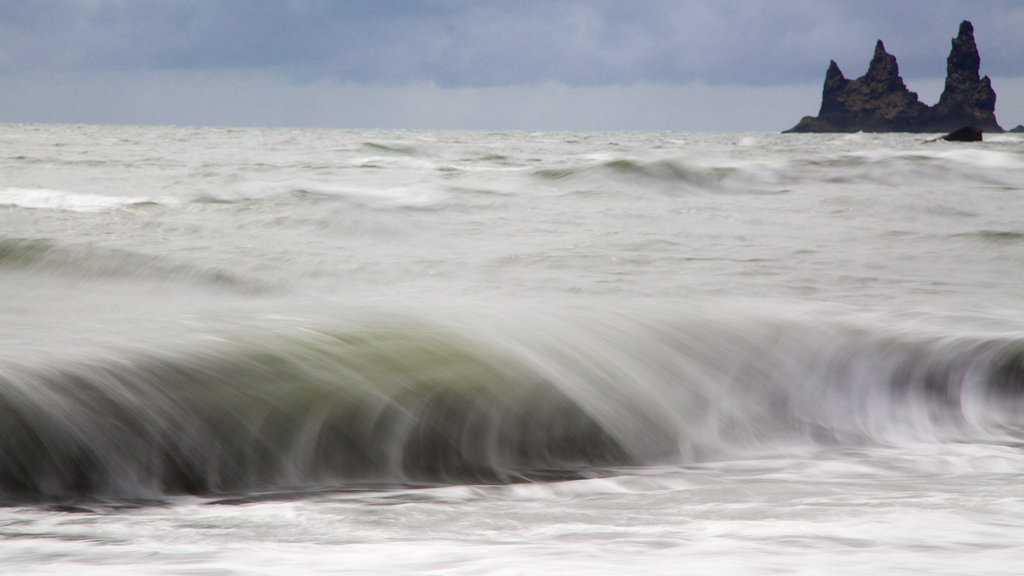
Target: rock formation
[
  {"x": 965, "y": 134},
  {"x": 1018, "y": 128},
  {"x": 879, "y": 101},
  {"x": 967, "y": 99}
]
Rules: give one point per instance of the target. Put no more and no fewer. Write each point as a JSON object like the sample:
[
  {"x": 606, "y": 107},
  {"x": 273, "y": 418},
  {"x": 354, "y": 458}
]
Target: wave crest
[{"x": 419, "y": 403}]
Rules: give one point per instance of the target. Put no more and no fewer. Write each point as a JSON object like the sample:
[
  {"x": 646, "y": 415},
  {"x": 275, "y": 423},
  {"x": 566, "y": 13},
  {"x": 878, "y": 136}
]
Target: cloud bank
[{"x": 598, "y": 64}]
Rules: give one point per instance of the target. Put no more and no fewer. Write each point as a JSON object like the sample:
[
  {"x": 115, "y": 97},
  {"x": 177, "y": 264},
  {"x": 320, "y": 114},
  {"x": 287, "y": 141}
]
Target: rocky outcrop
[
  {"x": 967, "y": 99},
  {"x": 965, "y": 134},
  {"x": 879, "y": 101},
  {"x": 1018, "y": 128}
]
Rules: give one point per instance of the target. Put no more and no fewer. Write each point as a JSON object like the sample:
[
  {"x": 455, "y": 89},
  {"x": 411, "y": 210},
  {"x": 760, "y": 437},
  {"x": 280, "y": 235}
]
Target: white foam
[
  {"x": 47, "y": 199},
  {"x": 417, "y": 196}
]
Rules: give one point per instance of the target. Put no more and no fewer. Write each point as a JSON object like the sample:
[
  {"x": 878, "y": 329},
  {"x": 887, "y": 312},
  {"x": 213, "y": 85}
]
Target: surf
[{"x": 488, "y": 397}]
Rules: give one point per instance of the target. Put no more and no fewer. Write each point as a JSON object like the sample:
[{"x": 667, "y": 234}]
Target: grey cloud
[
  {"x": 531, "y": 64},
  {"x": 492, "y": 43}
]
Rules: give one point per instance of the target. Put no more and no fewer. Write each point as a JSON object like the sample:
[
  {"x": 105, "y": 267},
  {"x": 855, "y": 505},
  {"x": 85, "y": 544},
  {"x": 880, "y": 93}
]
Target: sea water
[{"x": 267, "y": 351}]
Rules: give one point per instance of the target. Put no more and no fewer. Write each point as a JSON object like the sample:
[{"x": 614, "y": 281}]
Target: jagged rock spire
[
  {"x": 883, "y": 67},
  {"x": 835, "y": 83},
  {"x": 879, "y": 101},
  {"x": 884, "y": 73},
  {"x": 963, "y": 60},
  {"x": 967, "y": 99}
]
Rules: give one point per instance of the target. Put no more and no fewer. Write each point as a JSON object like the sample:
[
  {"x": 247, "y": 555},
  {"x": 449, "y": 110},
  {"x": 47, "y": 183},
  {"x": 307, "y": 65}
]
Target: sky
[{"x": 644, "y": 65}]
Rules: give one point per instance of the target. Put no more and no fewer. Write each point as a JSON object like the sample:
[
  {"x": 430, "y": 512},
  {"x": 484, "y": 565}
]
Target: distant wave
[
  {"x": 412, "y": 402},
  {"x": 678, "y": 176},
  {"x": 969, "y": 168},
  {"x": 995, "y": 168},
  {"x": 90, "y": 262},
  {"x": 994, "y": 236},
  {"x": 424, "y": 196},
  {"x": 668, "y": 171},
  {"x": 390, "y": 148},
  {"x": 44, "y": 199}
]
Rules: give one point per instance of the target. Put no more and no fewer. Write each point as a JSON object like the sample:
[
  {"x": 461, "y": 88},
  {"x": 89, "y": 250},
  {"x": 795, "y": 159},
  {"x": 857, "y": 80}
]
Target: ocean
[{"x": 269, "y": 351}]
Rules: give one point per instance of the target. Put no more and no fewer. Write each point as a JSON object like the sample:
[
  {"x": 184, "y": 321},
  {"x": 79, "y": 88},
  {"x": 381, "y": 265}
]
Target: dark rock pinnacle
[
  {"x": 967, "y": 99},
  {"x": 879, "y": 101}
]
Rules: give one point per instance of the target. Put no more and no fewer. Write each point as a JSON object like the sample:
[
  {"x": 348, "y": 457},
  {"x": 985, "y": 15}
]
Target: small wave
[
  {"x": 1000, "y": 236},
  {"x": 213, "y": 199},
  {"x": 556, "y": 173},
  {"x": 90, "y": 262},
  {"x": 415, "y": 197},
  {"x": 664, "y": 170},
  {"x": 45, "y": 199},
  {"x": 391, "y": 148},
  {"x": 674, "y": 176},
  {"x": 496, "y": 158},
  {"x": 939, "y": 168}
]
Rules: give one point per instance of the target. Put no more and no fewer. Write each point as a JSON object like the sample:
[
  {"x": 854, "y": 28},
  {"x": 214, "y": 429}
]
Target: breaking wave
[{"x": 503, "y": 398}]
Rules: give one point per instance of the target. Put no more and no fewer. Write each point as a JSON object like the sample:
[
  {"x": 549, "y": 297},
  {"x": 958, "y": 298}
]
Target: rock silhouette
[
  {"x": 879, "y": 101},
  {"x": 965, "y": 134}
]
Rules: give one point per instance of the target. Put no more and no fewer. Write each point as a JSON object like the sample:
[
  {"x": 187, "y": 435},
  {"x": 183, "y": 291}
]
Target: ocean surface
[{"x": 271, "y": 351}]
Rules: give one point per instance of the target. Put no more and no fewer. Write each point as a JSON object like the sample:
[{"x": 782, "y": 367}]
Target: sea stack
[{"x": 879, "y": 101}]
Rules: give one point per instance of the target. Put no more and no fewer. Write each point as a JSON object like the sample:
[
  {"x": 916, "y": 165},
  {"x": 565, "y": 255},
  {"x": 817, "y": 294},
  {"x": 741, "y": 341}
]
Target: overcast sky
[{"x": 483, "y": 64}]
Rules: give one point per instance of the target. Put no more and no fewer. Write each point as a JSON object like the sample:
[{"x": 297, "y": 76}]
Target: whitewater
[{"x": 260, "y": 351}]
